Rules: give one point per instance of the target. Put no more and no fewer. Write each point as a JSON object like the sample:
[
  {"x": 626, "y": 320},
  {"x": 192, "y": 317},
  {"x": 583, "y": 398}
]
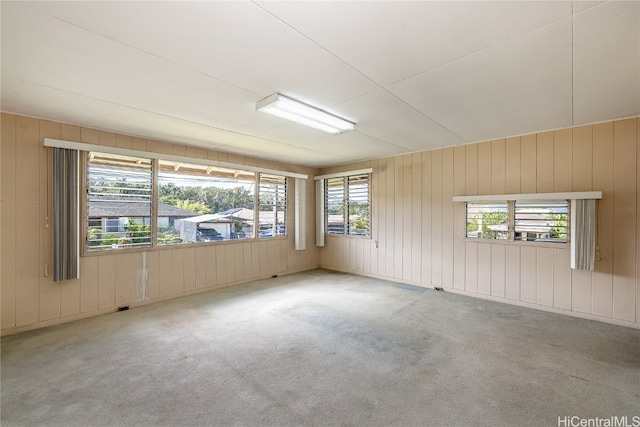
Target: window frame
[
  {"x": 84, "y": 185},
  {"x": 346, "y": 204},
  {"x": 511, "y": 222}
]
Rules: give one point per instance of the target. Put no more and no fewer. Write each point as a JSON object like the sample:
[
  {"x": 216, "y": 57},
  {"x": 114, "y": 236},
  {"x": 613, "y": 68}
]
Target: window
[
  {"x": 532, "y": 221},
  {"x": 541, "y": 221},
  {"x": 200, "y": 203},
  {"x": 195, "y": 203},
  {"x": 119, "y": 195},
  {"x": 347, "y": 205},
  {"x": 272, "y": 206},
  {"x": 488, "y": 220}
]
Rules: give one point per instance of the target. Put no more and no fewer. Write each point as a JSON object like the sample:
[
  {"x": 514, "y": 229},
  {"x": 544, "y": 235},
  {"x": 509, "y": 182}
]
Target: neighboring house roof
[
  {"x": 225, "y": 216},
  {"x": 242, "y": 214},
  {"x": 111, "y": 208},
  {"x": 534, "y": 222}
]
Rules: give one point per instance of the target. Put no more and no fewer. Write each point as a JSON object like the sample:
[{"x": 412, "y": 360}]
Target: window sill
[
  {"x": 88, "y": 253},
  {"x": 557, "y": 245}
]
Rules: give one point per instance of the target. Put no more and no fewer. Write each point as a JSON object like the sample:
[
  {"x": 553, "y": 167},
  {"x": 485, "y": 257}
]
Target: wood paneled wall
[
  {"x": 418, "y": 232},
  {"x": 107, "y": 281}
]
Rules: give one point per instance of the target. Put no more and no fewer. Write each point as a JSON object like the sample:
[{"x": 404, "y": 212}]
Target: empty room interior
[{"x": 276, "y": 213}]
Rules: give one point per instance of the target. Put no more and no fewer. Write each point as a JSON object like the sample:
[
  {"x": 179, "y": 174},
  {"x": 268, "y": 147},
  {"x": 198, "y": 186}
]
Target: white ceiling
[{"x": 412, "y": 75}]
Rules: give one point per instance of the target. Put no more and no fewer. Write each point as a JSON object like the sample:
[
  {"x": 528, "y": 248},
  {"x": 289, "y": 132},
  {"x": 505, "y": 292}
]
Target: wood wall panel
[
  {"x": 512, "y": 273},
  {"x": 426, "y": 219},
  {"x": 624, "y": 219},
  {"x": 230, "y": 262},
  {"x": 255, "y": 256},
  {"x": 582, "y": 291},
  {"x": 498, "y": 270},
  {"x": 246, "y": 262},
  {"x": 582, "y": 162},
  {"x": 528, "y": 162},
  {"x": 447, "y": 217},
  {"x": 562, "y": 279},
  {"x": 89, "y": 277},
  {"x": 459, "y": 189},
  {"x": 484, "y": 269},
  {"x": 513, "y": 166},
  {"x": 399, "y": 209},
  {"x": 153, "y": 275},
  {"x": 189, "y": 268},
  {"x": 416, "y": 218},
  {"x": 106, "y": 281},
  {"x": 471, "y": 267},
  {"x": 27, "y": 222},
  {"x": 406, "y": 209},
  {"x": 498, "y": 166},
  {"x": 544, "y": 162},
  {"x": 380, "y": 205},
  {"x": 563, "y": 160},
  {"x": 375, "y": 220},
  {"x": 436, "y": 218},
  {"x": 471, "y": 169},
  {"x": 124, "y": 276},
  {"x": 544, "y": 276},
  {"x": 201, "y": 267},
  {"x": 602, "y": 279},
  {"x": 8, "y": 219},
  {"x": 528, "y": 277},
  {"x": 484, "y": 168},
  {"x": 391, "y": 219}
]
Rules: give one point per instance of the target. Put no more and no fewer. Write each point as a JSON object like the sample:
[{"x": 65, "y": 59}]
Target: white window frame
[
  {"x": 531, "y": 198},
  {"x": 321, "y": 208}
]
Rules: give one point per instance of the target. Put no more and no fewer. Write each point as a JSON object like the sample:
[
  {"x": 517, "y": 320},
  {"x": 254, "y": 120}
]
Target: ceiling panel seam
[
  {"x": 320, "y": 46},
  {"x": 141, "y": 50},
  {"x": 475, "y": 52},
  {"x": 132, "y": 108}
]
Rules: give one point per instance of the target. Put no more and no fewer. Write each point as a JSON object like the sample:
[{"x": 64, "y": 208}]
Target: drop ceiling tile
[
  {"x": 100, "y": 68},
  {"x": 518, "y": 87},
  {"x": 24, "y": 98},
  {"x": 273, "y": 150},
  {"x": 383, "y": 116},
  {"x": 607, "y": 62},
  {"x": 391, "y": 41},
  {"x": 235, "y": 42},
  {"x": 352, "y": 145},
  {"x": 580, "y": 5}
]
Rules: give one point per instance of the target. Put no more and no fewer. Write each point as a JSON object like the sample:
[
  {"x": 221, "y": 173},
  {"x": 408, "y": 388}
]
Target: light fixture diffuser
[{"x": 299, "y": 112}]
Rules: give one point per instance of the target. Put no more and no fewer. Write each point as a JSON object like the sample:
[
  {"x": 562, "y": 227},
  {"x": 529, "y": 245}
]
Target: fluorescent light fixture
[{"x": 296, "y": 111}]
